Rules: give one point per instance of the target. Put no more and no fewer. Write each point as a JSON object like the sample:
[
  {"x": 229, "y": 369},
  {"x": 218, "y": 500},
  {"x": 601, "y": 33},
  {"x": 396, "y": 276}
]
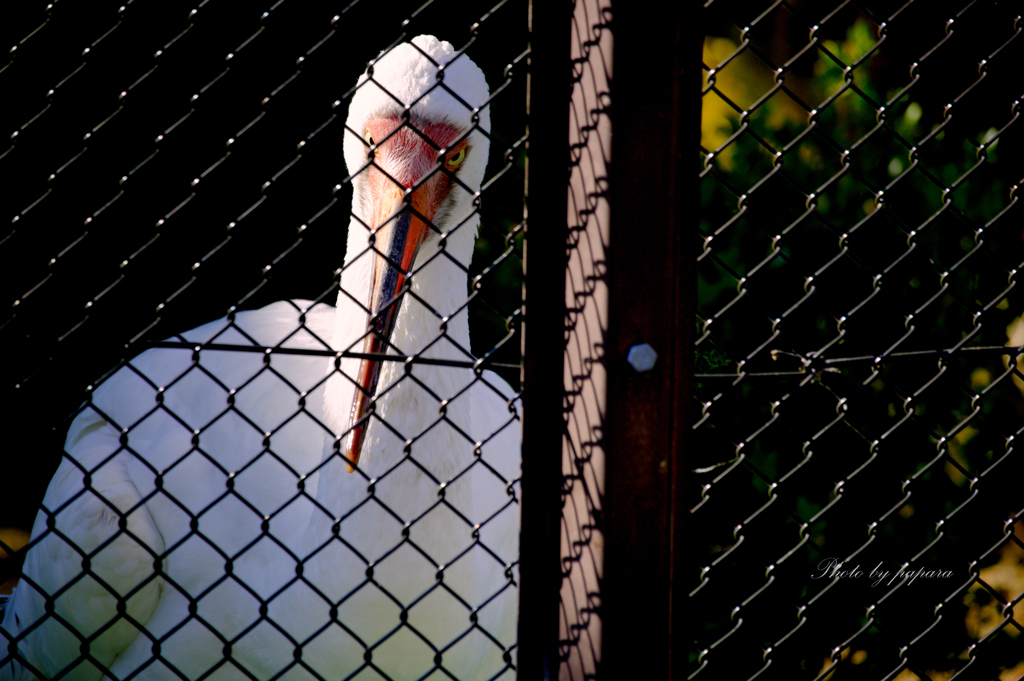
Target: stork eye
[
  {"x": 455, "y": 160},
  {"x": 369, "y": 141}
]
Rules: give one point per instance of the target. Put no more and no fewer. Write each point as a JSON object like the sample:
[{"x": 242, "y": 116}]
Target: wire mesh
[
  {"x": 859, "y": 349},
  {"x": 171, "y": 162}
]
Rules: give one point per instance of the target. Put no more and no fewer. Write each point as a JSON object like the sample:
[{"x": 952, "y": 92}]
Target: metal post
[
  {"x": 543, "y": 337},
  {"x": 651, "y": 279}
]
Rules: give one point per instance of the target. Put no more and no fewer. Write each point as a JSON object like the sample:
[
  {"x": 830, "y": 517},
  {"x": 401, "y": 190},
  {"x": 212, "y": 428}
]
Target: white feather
[{"x": 204, "y": 460}]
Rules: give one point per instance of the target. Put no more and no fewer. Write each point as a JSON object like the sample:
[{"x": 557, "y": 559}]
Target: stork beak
[{"x": 399, "y": 234}]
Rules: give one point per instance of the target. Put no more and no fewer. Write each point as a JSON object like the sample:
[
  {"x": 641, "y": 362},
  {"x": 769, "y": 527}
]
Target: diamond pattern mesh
[
  {"x": 171, "y": 162},
  {"x": 860, "y": 339}
]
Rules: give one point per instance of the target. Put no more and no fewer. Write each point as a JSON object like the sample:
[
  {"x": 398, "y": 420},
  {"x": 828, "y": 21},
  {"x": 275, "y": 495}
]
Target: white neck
[
  {"x": 439, "y": 287},
  {"x": 407, "y": 407}
]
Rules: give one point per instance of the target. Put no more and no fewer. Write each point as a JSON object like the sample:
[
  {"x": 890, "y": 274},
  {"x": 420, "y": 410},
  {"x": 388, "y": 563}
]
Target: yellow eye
[
  {"x": 455, "y": 160},
  {"x": 369, "y": 141}
]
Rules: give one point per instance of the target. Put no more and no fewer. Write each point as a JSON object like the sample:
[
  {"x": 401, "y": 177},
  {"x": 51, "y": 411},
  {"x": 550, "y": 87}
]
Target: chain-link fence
[
  {"x": 297, "y": 490},
  {"x": 844, "y": 505},
  {"x": 856, "y": 511}
]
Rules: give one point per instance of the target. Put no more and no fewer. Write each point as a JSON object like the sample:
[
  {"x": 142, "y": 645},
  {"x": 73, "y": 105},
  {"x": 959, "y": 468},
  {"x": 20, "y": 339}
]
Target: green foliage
[
  {"x": 815, "y": 179},
  {"x": 849, "y": 214}
]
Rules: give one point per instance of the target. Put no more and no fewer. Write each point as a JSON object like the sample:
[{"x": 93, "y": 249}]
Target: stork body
[{"x": 242, "y": 530}]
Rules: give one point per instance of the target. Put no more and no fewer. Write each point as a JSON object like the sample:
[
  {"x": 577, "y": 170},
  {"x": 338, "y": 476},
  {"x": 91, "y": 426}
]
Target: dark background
[{"x": 103, "y": 224}]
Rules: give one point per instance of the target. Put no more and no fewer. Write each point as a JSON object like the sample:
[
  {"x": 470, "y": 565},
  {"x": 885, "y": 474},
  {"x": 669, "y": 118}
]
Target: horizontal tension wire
[
  {"x": 817, "y": 364},
  {"x": 376, "y": 356}
]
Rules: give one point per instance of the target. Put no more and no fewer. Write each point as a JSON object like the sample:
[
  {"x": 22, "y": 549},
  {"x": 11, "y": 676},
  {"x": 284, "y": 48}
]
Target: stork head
[{"x": 416, "y": 146}]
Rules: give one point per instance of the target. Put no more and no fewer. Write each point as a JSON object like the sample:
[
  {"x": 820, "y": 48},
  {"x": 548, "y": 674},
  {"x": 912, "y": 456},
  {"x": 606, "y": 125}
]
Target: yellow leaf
[{"x": 13, "y": 538}]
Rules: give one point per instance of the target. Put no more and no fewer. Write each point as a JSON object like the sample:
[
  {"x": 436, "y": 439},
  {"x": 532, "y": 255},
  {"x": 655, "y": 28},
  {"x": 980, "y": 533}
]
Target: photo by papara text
[{"x": 833, "y": 568}]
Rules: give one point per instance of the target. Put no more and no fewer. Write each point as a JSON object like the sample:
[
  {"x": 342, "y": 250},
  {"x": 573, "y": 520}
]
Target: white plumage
[{"x": 227, "y": 473}]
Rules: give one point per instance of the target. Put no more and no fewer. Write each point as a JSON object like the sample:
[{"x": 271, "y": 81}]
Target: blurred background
[{"x": 860, "y": 172}]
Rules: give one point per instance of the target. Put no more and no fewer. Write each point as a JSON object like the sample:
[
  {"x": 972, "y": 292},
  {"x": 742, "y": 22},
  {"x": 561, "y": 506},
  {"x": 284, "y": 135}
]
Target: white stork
[{"x": 246, "y": 546}]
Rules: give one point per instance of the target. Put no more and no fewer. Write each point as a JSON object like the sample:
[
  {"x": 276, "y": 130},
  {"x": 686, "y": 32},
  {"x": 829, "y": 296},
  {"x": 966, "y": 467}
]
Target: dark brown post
[
  {"x": 543, "y": 337},
  {"x": 633, "y": 115},
  {"x": 655, "y": 102}
]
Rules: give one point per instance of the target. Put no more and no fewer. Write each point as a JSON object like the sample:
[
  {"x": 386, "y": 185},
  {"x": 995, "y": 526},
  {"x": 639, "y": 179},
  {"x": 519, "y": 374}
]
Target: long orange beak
[{"x": 399, "y": 235}]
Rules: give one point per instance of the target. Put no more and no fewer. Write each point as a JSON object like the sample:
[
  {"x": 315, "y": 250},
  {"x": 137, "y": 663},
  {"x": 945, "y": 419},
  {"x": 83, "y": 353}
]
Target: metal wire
[
  {"x": 859, "y": 246},
  {"x": 191, "y": 147}
]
